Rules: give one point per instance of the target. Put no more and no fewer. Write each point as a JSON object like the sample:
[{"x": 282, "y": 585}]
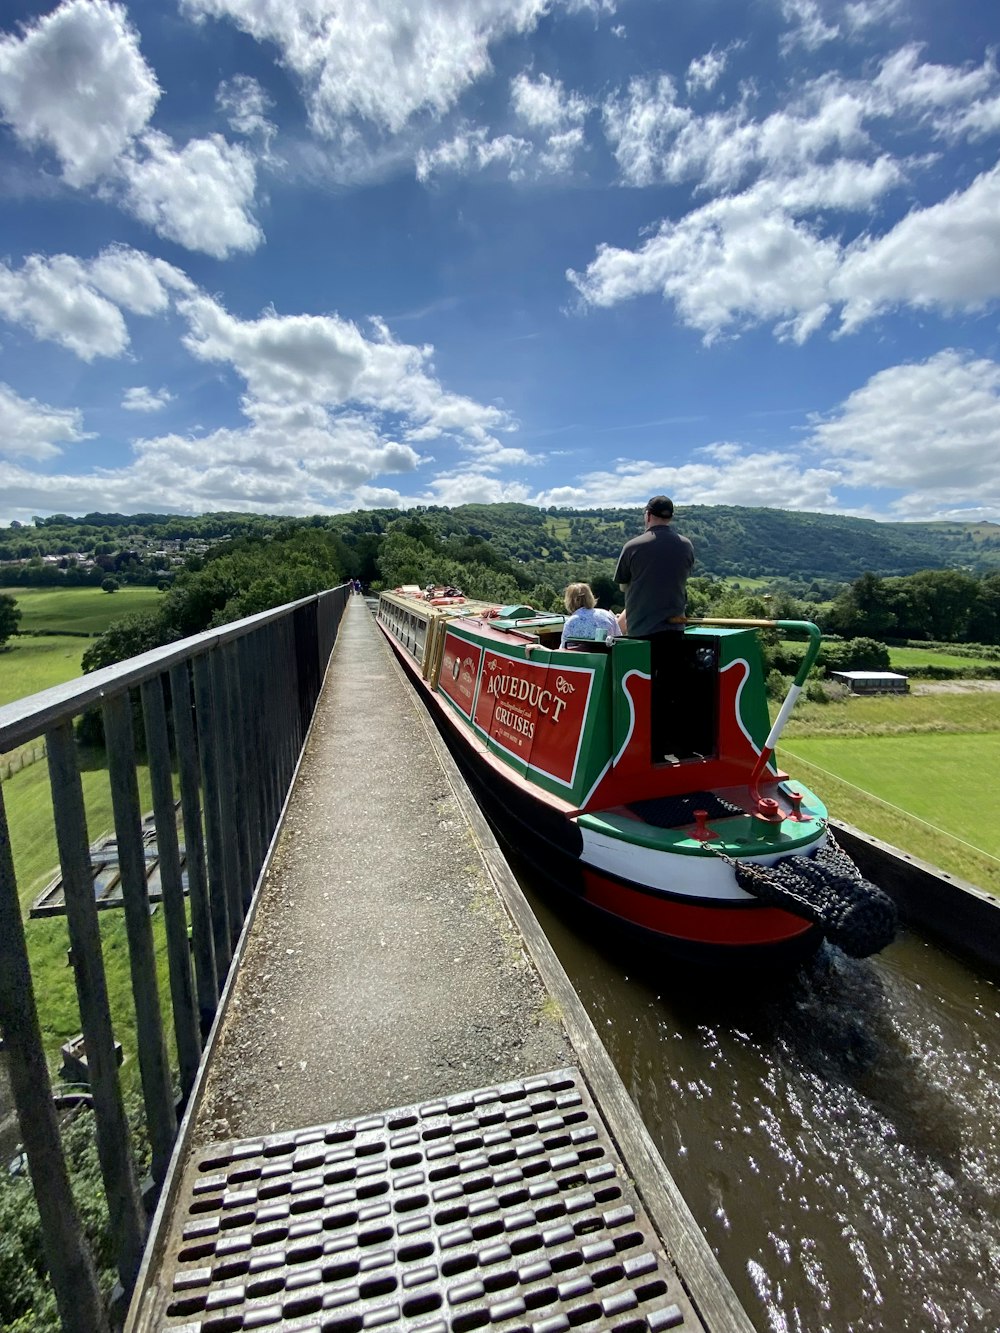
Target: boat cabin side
[{"x": 594, "y": 727}]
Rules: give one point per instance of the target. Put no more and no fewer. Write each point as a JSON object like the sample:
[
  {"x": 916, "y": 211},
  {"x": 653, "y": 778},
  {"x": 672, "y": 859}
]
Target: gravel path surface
[
  {"x": 953, "y": 686},
  {"x": 382, "y": 968}
]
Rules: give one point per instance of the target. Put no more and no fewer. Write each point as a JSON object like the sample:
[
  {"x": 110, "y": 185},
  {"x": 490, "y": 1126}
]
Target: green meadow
[
  {"x": 46, "y": 650},
  {"x": 917, "y": 771},
  {"x": 77, "y": 610},
  {"x": 905, "y": 659}
]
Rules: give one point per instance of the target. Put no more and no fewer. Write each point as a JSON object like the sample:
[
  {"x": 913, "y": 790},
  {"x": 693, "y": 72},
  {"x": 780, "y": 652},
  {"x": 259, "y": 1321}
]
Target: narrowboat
[{"x": 646, "y": 787}]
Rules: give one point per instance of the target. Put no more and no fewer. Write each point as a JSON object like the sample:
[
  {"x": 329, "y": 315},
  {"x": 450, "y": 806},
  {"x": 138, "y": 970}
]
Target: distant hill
[{"x": 730, "y": 541}]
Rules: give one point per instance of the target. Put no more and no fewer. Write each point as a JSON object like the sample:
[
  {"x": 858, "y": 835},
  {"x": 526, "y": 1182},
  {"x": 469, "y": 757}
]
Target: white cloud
[
  {"x": 198, "y": 196},
  {"x": 641, "y": 125},
  {"x": 864, "y": 14},
  {"x": 76, "y": 82},
  {"x": 807, "y": 27},
  {"x": 545, "y": 106},
  {"x": 473, "y": 150},
  {"x": 561, "y": 150},
  {"x": 290, "y": 462},
  {"x": 923, "y": 437},
  {"x": 748, "y": 258},
  {"x": 727, "y": 476},
  {"x": 30, "y": 429},
  {"x": 744, "y": 258},
  {"x": 312, "y": 361},
  {"x": 544, "y": 103},
  {"x": 139, "y": 398},
  {"x": 474, "y": 488},
  {"x": 704, "y": 72},
  {"x": 654, "y": 138},
  {"x": 54, "y": 298},
  {"x": 905, "y": 82},
  {"x": 328, "y": 413},
  {"x": 76, "y": 303},
  {"x": 931, "y": 429},
  {"x": 946, "y": 255},
  {"x": 135, "y": 280},
  {"x": 979, "y": 120},
  {"x": 245, "y": 104},
  {"x": 376, "y": 59}
]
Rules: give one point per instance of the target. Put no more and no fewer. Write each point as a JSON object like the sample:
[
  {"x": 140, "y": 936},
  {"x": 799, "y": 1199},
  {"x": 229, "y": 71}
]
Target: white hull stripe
[{"x": 697, "y": 877}]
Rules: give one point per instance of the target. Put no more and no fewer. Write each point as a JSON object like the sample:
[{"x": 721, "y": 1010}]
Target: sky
[{"x": 309, "y": 256}]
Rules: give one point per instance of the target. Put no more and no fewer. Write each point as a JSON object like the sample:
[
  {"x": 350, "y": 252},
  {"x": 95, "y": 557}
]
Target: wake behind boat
[{"x": 649, "y": 791}]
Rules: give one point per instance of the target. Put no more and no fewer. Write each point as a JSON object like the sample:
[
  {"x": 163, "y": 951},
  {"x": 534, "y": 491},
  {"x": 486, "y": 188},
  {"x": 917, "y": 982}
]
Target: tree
[
  {"x": 110, "y": 584},
  {"x": 10, "y": 615},
  {"x": 861, "y": 654}
]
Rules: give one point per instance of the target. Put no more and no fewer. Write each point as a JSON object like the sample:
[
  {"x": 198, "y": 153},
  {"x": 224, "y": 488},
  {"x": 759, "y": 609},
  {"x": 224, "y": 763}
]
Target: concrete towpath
[
  {"x": 381, "y": 968},
  {"x": 392, "y": 961}
]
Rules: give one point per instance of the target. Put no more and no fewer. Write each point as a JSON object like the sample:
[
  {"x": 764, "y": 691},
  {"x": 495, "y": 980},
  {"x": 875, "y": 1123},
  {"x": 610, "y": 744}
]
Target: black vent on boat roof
[{"x": 673, "y": 811}]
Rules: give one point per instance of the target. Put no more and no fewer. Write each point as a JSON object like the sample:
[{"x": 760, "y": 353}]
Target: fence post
[
  {"x": 153, "y": 1065},
  {"x": 70, "y": 1266},
  {"x": 174, "y": 912},
  {"x": 114, "y": 1148},
  {"x": 194, "y": 846},
  {"x": 206, "y": 710}
]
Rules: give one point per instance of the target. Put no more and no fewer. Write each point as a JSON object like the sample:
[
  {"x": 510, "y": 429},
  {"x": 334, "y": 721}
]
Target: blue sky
[{"x": 306, "y": 256}]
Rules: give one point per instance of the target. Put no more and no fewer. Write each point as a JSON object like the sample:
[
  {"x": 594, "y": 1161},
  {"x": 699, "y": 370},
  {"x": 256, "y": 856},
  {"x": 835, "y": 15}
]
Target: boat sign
[{"x": 535, "y": 712}]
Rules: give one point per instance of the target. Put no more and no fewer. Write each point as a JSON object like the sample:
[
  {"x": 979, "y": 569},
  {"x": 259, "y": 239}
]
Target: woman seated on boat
[{"x": 586, "y": 621}]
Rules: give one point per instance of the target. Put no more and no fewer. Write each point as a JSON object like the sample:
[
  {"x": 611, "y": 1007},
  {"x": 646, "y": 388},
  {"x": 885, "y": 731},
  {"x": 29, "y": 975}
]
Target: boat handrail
[{"x": 795, "y": 689}]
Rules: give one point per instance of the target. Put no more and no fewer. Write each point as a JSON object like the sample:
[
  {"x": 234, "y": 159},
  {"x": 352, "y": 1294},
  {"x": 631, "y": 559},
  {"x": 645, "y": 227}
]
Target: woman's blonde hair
[{"x": 577, "y": 595}]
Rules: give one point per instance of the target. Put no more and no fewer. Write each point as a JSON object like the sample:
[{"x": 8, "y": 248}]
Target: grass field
[
  {"x": 903, "y": 659},
  {"x": 916, "y": 771},
  {"x": 83, "y": 610},
  {"x": 29, "y": 664},
  {"x": 906, "y": 659},
  {"x": 31, "y": 661}
]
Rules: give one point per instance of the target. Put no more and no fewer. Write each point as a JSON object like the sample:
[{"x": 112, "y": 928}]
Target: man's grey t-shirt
[{"x": 654, "y": 567}]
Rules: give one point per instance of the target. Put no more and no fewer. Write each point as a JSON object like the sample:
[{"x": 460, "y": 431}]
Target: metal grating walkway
[{"x": 506, "y": 1208}]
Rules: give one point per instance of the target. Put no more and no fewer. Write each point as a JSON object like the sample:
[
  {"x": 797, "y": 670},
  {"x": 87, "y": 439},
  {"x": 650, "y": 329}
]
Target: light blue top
[{"x": 590, "y": 622}]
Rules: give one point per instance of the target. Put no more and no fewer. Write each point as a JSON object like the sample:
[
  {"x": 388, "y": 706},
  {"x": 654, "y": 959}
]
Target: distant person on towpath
[
  {"x": 653, "y": 571},
  {"x": 586, "y": 620}
]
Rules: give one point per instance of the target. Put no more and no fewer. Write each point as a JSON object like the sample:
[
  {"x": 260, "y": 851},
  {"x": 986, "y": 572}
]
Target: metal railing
[{"x": 224, "y": 716}]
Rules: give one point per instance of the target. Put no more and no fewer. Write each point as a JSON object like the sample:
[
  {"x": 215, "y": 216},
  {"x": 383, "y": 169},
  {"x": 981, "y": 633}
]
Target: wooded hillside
[{"x": 729, "y": 540}]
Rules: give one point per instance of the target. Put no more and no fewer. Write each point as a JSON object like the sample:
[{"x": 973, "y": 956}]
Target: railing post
[
  {"x": 242, "y": 781},
  {"x": 227, "y": 792},
  {"x": 114, "y": 1149},
  {"x": 208, "y": 752},
  {"x": 253, "y": 706},
  {"x": 70, "y": 1266},
  {"x": 194, "y": 846},
  {"x": 174, "y": 911},
  {"x": 153, "y": 1064}
]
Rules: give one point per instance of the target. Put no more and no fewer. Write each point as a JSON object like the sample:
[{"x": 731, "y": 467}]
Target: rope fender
[{"x": 826, "y": 888}]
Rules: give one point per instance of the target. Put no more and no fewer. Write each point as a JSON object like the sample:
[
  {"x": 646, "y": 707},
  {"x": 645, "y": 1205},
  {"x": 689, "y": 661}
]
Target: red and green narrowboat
[{"x": 699, "y": 841}]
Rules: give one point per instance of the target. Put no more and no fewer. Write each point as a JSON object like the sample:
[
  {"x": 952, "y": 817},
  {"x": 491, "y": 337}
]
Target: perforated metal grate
[{"x": 504, "y": 1208}]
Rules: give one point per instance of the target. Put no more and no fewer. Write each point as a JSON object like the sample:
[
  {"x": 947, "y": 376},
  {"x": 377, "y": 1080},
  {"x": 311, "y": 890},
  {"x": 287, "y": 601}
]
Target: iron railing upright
[{"x": 224, "y": 715}]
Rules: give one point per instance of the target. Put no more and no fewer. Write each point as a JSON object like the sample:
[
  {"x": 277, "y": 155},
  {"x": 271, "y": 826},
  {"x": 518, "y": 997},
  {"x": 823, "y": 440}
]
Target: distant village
[{"x": 132, "y": 558}]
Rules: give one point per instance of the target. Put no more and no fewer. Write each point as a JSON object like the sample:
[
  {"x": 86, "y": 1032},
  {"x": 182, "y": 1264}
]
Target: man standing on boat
[{"x": 653, "y": 571}]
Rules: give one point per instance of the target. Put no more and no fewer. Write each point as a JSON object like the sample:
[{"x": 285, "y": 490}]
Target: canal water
[{"x": 836, "y": 1133}]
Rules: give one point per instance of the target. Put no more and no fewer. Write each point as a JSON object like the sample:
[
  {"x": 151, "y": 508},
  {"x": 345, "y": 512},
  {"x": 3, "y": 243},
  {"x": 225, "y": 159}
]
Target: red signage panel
[
  {"x": 534, "y": 712},
  {"x": 460, "y": 671}
]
